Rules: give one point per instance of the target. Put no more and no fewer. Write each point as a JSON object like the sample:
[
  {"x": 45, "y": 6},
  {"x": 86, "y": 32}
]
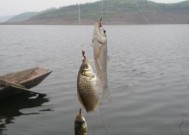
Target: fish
[
  {"x": 80, "y": 124},
  {"x": 100, "y": 53},
  {"x": 87, "y": 86}
]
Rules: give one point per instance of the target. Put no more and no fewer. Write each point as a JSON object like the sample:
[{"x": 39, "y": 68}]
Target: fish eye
[
  {"x": 82, "y": 122},
  {"x": 85, "y": 66},
  {"x": 105, "y": 31}
]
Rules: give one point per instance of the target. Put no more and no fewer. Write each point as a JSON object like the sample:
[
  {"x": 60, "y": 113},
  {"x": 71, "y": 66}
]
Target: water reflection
[{"x": 14, "y": 106}]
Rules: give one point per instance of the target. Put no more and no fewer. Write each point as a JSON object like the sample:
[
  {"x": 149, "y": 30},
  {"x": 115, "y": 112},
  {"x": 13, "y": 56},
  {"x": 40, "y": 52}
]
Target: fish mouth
[
  {"x": 80, "y": 118},
  {"x": 99, "y": 24},
  {"x": 100, "y": 29}
]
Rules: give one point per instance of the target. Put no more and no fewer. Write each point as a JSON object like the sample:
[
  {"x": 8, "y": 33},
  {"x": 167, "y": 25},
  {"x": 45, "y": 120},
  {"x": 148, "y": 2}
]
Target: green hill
[
  {"x": 115, "y": 12},
  {"x": 22, "y": 17}
]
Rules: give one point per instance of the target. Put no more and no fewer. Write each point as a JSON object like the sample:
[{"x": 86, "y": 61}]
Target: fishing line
[
  {"x": 79, "y": 15},
  {"x": 180, "y": 105},
  {"x": 182, "y": 76},
  {"x": 94, "y": 130},
  {"x": 104, "y": 122},
  {"x": 102, "y": 6},
  {"x": 140, "y": 10},
  {"x": 182, "y": 121},
  {"x": 101, "y": 116},
  {"x": 107, "y": 11},
  {"x": 107, "y": 22}
]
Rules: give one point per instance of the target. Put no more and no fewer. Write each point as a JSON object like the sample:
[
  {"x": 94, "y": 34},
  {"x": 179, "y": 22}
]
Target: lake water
[{"x": 148, "y": 79}]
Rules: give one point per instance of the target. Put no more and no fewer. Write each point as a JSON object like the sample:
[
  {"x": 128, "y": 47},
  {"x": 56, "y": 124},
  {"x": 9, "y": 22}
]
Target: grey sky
[{"x": 13, "y": 7}]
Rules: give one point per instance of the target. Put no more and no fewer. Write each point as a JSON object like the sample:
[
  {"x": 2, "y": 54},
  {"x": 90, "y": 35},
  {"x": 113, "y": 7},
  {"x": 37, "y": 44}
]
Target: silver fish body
[
  {"x": 80, "y": 125},
  {"x": 100, "y": 53},
  {"x": 87, "y": 89}
]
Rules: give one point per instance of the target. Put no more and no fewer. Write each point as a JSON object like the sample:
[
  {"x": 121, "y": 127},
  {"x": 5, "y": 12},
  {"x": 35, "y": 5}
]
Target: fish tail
[{"x": 106, "y": 93}]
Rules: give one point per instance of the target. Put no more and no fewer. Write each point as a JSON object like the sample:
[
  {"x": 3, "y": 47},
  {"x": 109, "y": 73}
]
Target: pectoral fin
[
  {"x": 106, "y": 93},
  {"x": 109, "y": 64}
]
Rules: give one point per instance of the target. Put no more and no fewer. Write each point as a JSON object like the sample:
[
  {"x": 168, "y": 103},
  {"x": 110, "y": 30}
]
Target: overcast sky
[{"x": 14, "y": 7}]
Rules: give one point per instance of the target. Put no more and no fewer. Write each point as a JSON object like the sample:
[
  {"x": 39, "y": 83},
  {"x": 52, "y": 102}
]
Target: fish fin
[
  {"x": 105, "y": 125},
  {"x": 106, "y": 93},
  {"x": 92, "y": 63},
  {"x": 106, "y": 90},
  {"x": 95, "y": 63},
  {"x": 97, "y": 44},
  {"x": 98, "y": 86},
  {"x": 101, "y": 42},
  {"x": 80, "y": 100},
  {"x": 109, "y": 64},
  {"x": 92, "y": 45},
  {"x": 98, "y": 68}
]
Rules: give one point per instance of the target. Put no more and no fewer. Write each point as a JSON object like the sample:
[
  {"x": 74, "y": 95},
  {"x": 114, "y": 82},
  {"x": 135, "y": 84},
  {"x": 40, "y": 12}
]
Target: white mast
[{"x": 79, "y": 15}]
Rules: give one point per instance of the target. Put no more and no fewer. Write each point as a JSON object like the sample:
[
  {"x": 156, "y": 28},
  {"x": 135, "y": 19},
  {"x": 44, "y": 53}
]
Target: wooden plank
[{"x": 16, "y": 86}]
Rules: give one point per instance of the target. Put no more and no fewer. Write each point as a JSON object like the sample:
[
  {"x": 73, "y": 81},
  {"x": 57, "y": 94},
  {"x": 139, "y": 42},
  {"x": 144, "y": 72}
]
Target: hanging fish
[
  {"x": 99, "y": 43},
  {"x": 87, "y": 86},
  {"x": 80, "y": 125}
]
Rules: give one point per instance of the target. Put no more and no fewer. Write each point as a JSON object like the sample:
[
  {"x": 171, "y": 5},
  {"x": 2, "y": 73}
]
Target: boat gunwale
[{"x": 27, "y": 75}]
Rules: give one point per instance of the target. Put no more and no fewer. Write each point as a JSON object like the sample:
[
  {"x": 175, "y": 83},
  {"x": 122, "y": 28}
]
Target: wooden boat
[{"x": 22, "y": 81}]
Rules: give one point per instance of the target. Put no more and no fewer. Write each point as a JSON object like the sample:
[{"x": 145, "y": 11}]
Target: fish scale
[{"x": 87, "y": 90}]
